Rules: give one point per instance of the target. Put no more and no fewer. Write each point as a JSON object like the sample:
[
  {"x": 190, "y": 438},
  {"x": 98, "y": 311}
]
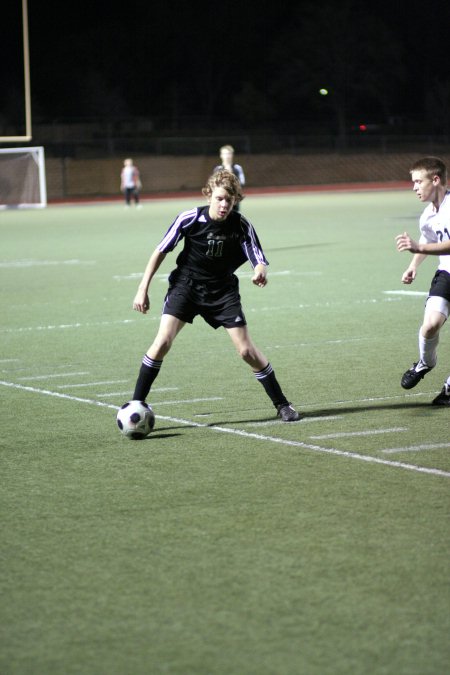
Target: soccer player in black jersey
[{"x": 217, "y": 240}]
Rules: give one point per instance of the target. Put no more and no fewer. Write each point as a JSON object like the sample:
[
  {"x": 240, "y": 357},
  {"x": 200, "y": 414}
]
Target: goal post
[
  {"x": 26, "y": 82},
  {"x": 22, "y": 178}
]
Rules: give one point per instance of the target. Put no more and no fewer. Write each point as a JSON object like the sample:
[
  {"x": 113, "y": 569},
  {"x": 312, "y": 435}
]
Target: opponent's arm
[
  {"x": 141, "y": 302},
  {"x": 405, "y": 243}
]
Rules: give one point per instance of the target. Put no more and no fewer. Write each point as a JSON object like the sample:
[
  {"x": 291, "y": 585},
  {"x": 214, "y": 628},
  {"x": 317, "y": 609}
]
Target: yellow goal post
[{"x": 27, "y": 88}]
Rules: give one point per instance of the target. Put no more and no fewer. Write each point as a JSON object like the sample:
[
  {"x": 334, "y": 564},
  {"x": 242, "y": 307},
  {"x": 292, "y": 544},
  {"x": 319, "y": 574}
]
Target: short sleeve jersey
[
  {"x": 212, "y": 249},
  {"x": 130, "y": 176},
  {"x": 435, "y": 227}
]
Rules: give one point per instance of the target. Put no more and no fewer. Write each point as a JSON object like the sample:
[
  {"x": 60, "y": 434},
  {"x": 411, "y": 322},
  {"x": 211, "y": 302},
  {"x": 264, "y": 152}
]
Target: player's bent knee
[
  {"x": 432, "y": 324},
  {"x": 161, "y": 345},
  {"x": 245, "y": 351}
]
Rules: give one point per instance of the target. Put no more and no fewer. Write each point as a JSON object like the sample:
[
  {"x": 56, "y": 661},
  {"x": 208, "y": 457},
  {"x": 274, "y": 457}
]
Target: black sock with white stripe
[
  {"x": 147, "y": 375},
  {"x": 270, "y": 383}
]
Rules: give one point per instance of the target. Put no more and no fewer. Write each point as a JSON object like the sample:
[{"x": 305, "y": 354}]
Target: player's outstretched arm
[
  {"x": 260, "y": 275},
  {"x": 141, "y": 302},
  {"x": 405, "y": 243}
]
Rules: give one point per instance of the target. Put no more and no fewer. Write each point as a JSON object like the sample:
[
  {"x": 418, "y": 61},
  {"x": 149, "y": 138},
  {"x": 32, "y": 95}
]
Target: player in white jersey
[
  {"x": 429, "y": 176},
  {"x": 130, "y": 182}
]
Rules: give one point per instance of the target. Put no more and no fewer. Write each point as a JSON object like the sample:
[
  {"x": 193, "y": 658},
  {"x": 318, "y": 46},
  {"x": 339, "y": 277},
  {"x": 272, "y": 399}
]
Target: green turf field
[{"x": 227, "y": 543}]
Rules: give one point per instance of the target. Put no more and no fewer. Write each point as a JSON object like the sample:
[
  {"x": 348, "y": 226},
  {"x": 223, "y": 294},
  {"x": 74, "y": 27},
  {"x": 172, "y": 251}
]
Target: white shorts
[{"x": 437, "y": 304}]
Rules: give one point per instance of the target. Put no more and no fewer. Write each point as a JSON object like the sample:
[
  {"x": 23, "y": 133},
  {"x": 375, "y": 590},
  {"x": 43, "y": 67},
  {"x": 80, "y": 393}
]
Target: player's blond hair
[
  {"x": 227, "y": 181},
  {"x": 226, "y": 147},
  {"x": 433, "y": 166}
]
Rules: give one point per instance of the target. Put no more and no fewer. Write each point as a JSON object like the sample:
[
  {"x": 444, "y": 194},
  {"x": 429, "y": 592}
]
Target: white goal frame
[{"x": 38, "y": 155}]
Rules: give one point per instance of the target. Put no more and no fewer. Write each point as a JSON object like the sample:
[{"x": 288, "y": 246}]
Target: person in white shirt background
[{"x": 130, "y": 182}]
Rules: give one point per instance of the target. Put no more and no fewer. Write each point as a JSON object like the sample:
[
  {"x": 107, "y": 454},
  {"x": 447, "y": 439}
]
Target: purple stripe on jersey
[
  {"x": 174, "y": 233},
  {"x": 254, "y": 253}
]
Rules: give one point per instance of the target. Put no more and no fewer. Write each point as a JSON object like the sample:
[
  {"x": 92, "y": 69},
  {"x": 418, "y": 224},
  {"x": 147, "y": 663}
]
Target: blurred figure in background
[
  {"x": 130, "y": 182},
  {"x": 227, "y": 159}
]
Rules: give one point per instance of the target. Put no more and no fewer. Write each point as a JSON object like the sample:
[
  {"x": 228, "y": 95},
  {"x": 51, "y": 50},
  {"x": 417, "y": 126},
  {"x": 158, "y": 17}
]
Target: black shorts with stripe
[{"x": 217, "y": 302}]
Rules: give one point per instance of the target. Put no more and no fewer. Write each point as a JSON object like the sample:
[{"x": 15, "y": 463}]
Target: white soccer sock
[{"x": 427, "y": 349}]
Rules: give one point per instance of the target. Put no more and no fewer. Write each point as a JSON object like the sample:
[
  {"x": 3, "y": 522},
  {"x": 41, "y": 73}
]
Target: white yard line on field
[
  {"x": 305, "y": 420},
  {"x": 51, "y": 376},
  {"x": 42, "y": 263},
  {"x": 245, "y": 434},
  {"x": 373, "y": 399},
  {"x": 91, "y": 384},
  {"x": 156, "y": 317},
  {"x": 417, "y": 448},
  {"x": 348, "y": 434},
  {"x": 188, "y": 400},
  {"x": 412, "y": 293},
  {"x": 65, "y": 326},
  {"x": 125, "y": 393}
]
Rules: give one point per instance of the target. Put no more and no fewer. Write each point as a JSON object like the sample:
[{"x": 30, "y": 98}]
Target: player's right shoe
[
  {"x": 443, "y": 398},
  {"x": 288, "y": 413},
  {"x": 414, "y": 375}
]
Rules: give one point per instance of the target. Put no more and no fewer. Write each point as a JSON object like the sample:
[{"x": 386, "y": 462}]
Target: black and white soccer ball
[{"x": 135, "y": 420}]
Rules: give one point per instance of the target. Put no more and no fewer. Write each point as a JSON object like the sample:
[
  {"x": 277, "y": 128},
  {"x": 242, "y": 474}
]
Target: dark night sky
[{"x": 245, "y": 62}]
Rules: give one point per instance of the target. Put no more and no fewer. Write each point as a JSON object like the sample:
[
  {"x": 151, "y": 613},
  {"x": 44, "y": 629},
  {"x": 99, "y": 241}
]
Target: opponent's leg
[{"x": 435, "y": 316}]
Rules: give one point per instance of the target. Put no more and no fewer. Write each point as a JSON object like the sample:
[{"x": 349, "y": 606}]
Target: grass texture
[{"x": 227, "y": 543}]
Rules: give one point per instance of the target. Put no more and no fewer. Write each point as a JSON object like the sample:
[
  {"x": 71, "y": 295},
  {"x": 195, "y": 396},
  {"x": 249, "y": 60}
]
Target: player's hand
[
  {"x": 405, "y": 243},
  {"x": 141, "y": 302},
  {"x": 408, "y": 276},
  {"x": 260, "y": 276}
]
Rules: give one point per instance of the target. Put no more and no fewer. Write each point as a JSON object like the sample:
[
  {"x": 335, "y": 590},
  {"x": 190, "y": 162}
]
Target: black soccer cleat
[
  {"x": 288, "y": 413},
  {"x": 413, "y": 376},
  {"x": 443, "y": 398}
]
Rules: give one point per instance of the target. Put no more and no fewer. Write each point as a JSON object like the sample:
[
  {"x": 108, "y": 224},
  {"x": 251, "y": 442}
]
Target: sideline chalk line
[{"x": 239, "y": 432}]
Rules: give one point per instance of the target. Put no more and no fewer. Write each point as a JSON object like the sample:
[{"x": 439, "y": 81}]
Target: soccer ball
[{"x": 135, "y": 420}]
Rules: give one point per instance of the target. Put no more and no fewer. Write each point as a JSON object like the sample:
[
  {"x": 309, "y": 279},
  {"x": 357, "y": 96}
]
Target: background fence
[
  {"x": 84, "y": 158},
  {"x": 74, "y": 178}
]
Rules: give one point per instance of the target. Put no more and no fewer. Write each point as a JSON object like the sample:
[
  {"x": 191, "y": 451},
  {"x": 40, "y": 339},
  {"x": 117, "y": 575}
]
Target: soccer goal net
[{"x": 22, "y": 178}]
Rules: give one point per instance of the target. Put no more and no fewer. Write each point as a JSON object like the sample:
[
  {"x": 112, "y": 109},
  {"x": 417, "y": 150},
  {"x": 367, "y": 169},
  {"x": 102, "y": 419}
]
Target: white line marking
[
  {"x": 164, "y": 389},
  {"x": 282, "y": 273},
  {"x": 373, "y": 399},
  {"x": 238, "y": 432},
  {"x": 8, "y": 360},
  {"x": 64, "y": 326},
  {"x": 188, "y": 400},
  {"x": 347, "y": 434},
  {"x": 91, "y": 384},
  {"x": 405, "y": 292},
  {"x": 138, "y": 275},
  {"x": 127, "y": 393},
  {"x": 58, "y": 394},
  {"x": 48, "y": 377},
  {"x": 305, "y": 420},
  {"x": 417, "y": 448},
  {"x": 43, "y": 263}
]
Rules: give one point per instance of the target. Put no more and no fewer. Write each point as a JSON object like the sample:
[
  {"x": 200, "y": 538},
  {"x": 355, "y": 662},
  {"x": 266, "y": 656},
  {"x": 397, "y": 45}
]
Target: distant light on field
[{"x": 323, "y": 92}]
